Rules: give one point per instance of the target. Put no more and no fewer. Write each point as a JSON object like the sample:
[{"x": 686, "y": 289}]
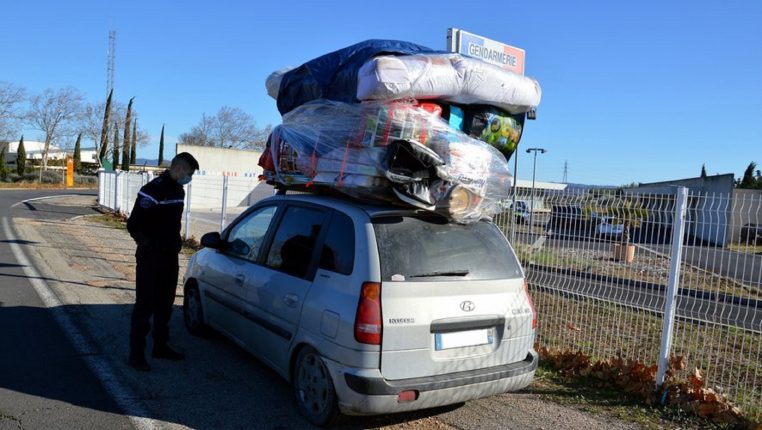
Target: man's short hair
[{"x": 186, "y": 158}]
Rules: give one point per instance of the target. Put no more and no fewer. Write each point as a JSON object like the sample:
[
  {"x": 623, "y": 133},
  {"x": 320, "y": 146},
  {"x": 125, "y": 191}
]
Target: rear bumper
[
  {"x": 366, "y": 392},
  {"x": 381, "y": 386}
]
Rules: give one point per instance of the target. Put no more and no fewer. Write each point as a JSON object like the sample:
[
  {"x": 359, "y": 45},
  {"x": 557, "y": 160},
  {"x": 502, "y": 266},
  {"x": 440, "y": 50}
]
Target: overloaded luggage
[{"x": 394, "y": 122}]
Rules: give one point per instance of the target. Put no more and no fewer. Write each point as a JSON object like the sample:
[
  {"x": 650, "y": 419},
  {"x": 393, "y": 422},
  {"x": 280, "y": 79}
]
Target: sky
[{"x": 632, "y": 91}]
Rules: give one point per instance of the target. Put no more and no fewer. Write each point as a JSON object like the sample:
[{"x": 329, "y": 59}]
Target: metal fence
[
  {"x": 211, "y": 202},
  {"x": 605, "y": 266},
  {"x": 613, "y": 274}
]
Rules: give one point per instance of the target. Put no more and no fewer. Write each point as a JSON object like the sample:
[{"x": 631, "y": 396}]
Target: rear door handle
[{"x": 291, "y": 300}]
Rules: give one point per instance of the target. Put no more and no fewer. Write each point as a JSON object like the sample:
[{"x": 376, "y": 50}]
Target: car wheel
[
  {"x": 313, "y": 388},
  {"x": 193, "y": 313}
]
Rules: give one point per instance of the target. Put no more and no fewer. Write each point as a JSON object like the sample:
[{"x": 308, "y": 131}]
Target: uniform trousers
[{"x": 155, "y": 285}]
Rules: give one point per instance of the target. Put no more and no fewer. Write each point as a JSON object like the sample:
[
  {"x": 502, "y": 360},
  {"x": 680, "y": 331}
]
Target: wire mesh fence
[{"x": 599, "y": 264}]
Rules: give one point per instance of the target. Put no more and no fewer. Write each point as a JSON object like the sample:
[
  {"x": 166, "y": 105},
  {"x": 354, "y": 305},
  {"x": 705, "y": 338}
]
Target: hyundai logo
[{"x": 467, "y": 306}]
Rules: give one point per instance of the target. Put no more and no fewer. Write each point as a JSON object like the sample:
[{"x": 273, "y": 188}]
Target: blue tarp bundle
[{"x": 334, "y": 76}]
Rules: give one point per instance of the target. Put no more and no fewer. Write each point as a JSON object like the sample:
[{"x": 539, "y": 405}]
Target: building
[
  {"x": 34, "y": 150},
  {"x": 717, "y": 210}
]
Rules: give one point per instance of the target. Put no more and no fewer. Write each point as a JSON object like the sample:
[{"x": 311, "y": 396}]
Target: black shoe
[
  {"x": 167, "y": 353},
  {"x": 138, "y": 362}
]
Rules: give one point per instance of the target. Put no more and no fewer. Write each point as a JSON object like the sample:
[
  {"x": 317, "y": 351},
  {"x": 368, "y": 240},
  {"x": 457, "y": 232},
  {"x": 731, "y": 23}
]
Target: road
[{"x": 44, "y": 382}]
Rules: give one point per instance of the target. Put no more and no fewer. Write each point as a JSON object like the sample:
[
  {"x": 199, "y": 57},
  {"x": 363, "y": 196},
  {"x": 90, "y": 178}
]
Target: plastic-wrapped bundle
[
  {"x": 450, "y": 77},
  {"x": 390, "y": 152}
]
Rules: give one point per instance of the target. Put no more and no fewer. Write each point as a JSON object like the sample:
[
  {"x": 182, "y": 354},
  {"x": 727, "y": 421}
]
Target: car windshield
[{"x": 429, "y": 249}]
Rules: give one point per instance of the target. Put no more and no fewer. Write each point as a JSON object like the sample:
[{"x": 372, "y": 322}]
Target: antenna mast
[{"x": 110, "y": 61}]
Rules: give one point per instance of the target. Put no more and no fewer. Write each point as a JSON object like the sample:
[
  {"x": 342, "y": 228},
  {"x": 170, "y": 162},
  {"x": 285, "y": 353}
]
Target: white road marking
[
  {"x": 43, "y": 198},
  {"x": 123, "y": 395}
]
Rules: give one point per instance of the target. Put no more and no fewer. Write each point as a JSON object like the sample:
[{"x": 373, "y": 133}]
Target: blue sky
[{"x": 632, "y": 91}]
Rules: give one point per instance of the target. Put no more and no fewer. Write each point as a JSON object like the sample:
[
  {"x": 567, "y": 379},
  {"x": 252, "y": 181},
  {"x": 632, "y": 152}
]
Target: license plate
[{"x": 460, "y": 339}]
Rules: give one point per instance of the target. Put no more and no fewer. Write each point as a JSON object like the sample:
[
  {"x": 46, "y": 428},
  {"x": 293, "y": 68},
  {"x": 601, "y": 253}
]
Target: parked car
[
  {"x": 367, "y": 309},
  {"x": 751, "y": 234},
  {"x": 609, "y": 227},
  {"x": 524, "y": 213}
]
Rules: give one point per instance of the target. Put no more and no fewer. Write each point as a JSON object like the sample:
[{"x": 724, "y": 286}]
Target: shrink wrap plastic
[
  {"x": 449, "y": 77},
  {"x": 390, "y": 152}
]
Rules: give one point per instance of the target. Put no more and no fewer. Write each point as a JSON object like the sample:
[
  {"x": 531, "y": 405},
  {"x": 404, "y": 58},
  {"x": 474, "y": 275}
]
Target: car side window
[
  {"x": 246, "y": 237},
  {"x": 295, "y": 239},
  {"x": 338, "y": 253}
]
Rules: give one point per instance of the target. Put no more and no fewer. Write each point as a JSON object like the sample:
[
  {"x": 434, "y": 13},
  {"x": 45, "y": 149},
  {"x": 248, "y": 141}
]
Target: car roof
[{"x": 349, "y": 205}]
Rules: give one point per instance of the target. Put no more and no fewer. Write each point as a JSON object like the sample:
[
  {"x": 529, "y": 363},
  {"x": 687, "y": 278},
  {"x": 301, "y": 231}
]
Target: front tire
[
  {"x": 313, "y": 388},
  {"x": 193, "y": 313}
]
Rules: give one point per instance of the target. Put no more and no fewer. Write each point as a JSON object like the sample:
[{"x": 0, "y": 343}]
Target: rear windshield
[{"x": 429, "y": 249}]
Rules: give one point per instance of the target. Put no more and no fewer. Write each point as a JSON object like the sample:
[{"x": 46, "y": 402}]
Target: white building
[{"x": 34, "y": 150}]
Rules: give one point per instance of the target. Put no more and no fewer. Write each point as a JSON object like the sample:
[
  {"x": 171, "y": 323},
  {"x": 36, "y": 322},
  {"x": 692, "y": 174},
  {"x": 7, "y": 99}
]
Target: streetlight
[{"x": 534, "y": 167}]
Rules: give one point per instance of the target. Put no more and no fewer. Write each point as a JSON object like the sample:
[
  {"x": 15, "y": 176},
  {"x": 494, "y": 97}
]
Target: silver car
[{"x": 367, "y": 309}]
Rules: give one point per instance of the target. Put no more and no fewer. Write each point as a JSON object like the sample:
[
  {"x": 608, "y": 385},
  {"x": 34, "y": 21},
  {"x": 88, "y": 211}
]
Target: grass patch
[
  {"x": 594, "y": 396},
  {"x": 744, "y": 248},
  {"x": 727, "y": 356}
]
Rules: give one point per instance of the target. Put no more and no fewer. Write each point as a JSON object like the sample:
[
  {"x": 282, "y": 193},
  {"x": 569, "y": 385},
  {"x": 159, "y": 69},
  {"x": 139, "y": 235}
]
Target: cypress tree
[
  {"x": 126, "y": 141},
  {"x": 134, "y": 146},
  {"x": 3, "y": 169},
  {"x": 78, "y": 155},
  {"x": 115, "y": 151},
  {"x": 703, "y": 170},
  {"x": 21, "y": 157},
  {"x": 161, "y": 147},
  {"x": 104, "y": 128}
]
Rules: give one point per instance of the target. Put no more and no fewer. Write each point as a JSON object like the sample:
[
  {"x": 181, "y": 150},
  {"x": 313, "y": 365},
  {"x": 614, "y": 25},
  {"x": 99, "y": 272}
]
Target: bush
[
  {"x": 12, "y": 177},
  {"x": 85, "y": 180}
]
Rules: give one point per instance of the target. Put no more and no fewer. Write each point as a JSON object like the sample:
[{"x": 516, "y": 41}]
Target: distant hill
[
  {"x": 590, "y": 187},
  {"x": 146, "y": 162}
]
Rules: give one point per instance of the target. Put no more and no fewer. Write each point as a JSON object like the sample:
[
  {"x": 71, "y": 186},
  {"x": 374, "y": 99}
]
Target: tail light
[
  {"x": 531, "y": 305},
  {"x": 368, "y": 318}
]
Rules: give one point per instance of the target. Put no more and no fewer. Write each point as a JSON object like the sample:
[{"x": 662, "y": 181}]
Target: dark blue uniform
[{"x": 155, "y": 225}]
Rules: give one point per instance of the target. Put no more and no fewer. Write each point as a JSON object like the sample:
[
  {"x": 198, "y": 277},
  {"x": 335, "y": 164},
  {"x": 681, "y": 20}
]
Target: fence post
[
  {"x": 187, "y": 210},
  {"x": 676, "y": 256},
  {"x": 225, "y": 180},
  {"x": 117, "y": 194}
]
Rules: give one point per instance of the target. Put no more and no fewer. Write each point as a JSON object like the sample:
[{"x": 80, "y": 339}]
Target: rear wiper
[{"x": 463, "y": 272}]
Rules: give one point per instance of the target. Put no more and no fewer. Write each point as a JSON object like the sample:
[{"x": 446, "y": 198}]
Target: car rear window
[{"x": 430, "y": 249}]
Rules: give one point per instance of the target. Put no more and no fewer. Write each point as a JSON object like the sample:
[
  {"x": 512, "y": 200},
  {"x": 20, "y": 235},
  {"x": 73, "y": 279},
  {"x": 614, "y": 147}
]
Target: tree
[
  {"x": 133, "y": 147},
  {"x": 77, "y": 154},
  {"x": 748, "y": 180},
  {"x": 54, "y": 114},
  {"x": 115, "y": 149},
  {"x": 161, "y": 147},
  {"x": 703, "y": 170},
  {"x": 127, "y": 141},
  {"x": 11, "y": 98},
  {"x": 104, "y": 128},
  {"x": 3, "y": 169},
  {"x": 231, "y": 127},
  {"x": 21, "y": 157}
]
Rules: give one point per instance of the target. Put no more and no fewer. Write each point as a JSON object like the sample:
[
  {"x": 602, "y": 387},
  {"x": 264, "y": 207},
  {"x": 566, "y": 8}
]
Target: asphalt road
[{"x": 44, "y": 381}]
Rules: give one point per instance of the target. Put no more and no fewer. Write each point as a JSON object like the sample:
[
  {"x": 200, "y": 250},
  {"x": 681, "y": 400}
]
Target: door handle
[
  {"x": 291, "y": 300},
  {"x": 239, "y": 279}
]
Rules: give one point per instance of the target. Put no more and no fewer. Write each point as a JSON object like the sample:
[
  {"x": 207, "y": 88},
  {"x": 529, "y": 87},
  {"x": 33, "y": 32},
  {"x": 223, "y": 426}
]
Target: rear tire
[
  {"x": 313, "y": 388},
  {"x": 193, "y": 313}
]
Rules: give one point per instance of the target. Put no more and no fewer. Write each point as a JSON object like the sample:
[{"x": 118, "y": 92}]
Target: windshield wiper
[{"x": 463, "y": 272}]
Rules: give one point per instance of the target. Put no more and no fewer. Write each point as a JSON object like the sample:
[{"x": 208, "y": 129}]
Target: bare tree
[
  {"x": 55, "y": 114},
  {"x": 231, "y": 127},
  {"x": 11, "y": 98}
]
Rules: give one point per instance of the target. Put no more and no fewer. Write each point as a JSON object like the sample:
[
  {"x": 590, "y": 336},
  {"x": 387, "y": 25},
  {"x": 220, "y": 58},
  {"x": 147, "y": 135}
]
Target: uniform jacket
[{"x": 155, "y": 219}]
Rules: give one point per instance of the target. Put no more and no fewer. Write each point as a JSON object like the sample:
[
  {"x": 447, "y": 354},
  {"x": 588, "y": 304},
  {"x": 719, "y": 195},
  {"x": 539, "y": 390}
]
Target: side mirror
[{"x": 212, "y": 240}]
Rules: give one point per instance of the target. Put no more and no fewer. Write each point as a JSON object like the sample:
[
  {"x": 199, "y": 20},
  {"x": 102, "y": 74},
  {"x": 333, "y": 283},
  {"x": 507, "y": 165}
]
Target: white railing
[{"x": 589, "y": 297}]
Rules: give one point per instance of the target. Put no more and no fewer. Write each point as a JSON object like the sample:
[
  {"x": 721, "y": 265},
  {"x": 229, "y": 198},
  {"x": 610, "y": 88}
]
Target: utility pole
[{"x": 534, "y": 167}]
